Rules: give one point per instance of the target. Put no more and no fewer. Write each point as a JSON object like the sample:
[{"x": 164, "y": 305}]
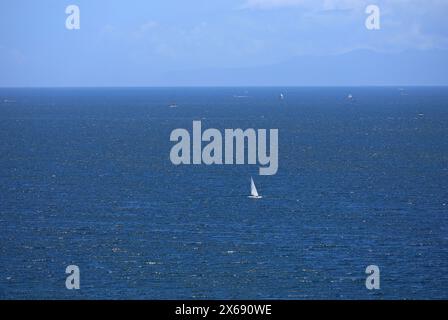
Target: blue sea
[{"x": 86, "y": 179}]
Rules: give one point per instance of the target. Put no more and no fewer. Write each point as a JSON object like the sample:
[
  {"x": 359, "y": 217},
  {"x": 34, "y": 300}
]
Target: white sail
[{"x": 253, "y": 189}]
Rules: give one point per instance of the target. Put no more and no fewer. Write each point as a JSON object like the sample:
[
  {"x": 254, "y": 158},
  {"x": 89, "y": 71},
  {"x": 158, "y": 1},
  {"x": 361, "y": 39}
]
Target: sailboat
[
  {"x": 253, "y": 190},
  {"x": 281, "y": 96}
]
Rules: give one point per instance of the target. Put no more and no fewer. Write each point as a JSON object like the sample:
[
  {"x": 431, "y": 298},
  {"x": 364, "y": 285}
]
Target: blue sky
[{"x": 200, "y": 42}]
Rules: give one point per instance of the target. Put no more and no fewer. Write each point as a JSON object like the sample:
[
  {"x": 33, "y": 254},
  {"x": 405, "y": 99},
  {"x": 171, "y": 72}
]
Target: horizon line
[{"x": 226, "y": 86}]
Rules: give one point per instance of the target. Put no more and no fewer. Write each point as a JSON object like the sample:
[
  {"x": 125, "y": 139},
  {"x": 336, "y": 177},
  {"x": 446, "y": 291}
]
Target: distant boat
[
  {"x": 350, "y": 97},
  {"x": 282, "y": 96},
  {"x": 173, "y": 105},
  {"x": 253, "y": 190}
]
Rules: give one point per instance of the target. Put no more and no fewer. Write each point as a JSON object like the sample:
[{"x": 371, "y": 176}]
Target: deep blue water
[{"x": 85, "y": 179}]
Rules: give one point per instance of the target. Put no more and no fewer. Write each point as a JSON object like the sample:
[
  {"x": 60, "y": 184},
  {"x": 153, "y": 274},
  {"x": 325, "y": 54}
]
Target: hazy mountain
[{"x": 359, "y": 67}]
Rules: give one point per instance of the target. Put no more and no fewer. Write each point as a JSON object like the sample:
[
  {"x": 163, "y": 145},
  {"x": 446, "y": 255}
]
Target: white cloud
[
  {"x": 308, "y": 4},
  {"x": 145, "y": 28},
  {"x": 149, "y": 25},
  {"x": 406, "y": 24}
]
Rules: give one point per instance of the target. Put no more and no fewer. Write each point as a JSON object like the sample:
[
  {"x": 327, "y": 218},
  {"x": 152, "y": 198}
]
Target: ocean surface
[{"x": 86, "y": 179}]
